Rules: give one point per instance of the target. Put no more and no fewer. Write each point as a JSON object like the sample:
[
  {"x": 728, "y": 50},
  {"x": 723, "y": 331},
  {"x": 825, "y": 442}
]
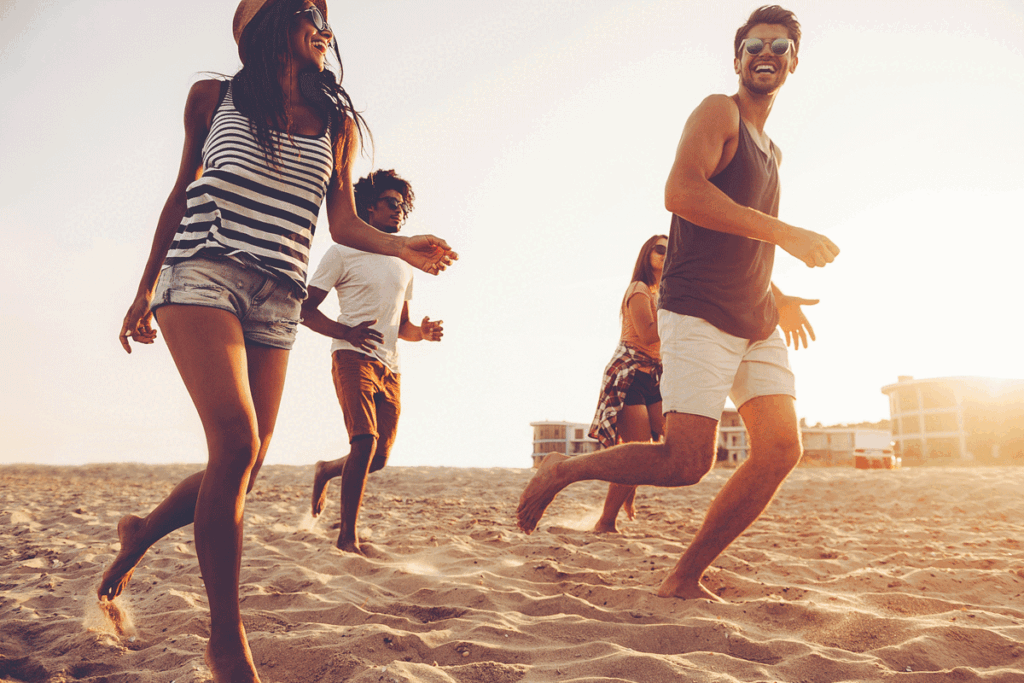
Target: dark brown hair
[
  {"x": 642, "y": 271},
  {"x": 769, "y": 14},
  {"x": 258, "y": 95}
]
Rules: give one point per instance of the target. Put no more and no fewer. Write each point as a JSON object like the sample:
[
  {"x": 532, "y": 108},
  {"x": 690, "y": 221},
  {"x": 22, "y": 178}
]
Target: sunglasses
[
  {"x": 660, "y": 249},
  {"x": 317, "y": 17},
  {"x": 779, "y": 46},
  {"x": 394, "y": 204}
]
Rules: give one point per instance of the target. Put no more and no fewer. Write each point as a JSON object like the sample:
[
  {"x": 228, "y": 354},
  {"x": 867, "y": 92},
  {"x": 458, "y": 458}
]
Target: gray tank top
[{"x": 726, "y": 279}]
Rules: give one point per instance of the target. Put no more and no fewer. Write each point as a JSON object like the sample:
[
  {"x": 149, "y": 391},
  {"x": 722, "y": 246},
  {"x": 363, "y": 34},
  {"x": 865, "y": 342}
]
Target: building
[
  {"x": 733, "y": 445},
  {"x": 838, "y": 445},
  {"x": 960, "y": 418},
  {"x": 570, "y": 438}
]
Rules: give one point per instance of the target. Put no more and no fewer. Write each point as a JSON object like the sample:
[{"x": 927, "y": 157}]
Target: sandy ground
[{"x": 851, "y": 575}]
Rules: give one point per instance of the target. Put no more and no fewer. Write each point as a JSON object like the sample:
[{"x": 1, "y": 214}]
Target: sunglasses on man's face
[
  {"x": 394, "y": 204},
  {"x": 660, "y": 249},
  {"x": 319, "y": 22},
  {"x": 779, "y": 46}
]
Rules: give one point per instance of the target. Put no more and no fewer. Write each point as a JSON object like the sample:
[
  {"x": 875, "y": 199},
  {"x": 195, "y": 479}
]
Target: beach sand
[{"x": 850, "y": 575}]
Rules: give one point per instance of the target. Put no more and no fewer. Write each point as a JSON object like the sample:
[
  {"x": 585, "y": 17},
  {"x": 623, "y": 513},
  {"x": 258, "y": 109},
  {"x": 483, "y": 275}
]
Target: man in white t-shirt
[{"x": 373, "y": 294}]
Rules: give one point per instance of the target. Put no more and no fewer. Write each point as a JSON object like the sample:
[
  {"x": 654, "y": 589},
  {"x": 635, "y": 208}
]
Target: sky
[{"x": 537, "y": 135}]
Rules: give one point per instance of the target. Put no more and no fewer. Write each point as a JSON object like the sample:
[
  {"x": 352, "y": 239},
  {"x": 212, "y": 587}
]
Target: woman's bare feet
[
  {"x": 231, "y": 662},
  {"x": 675, "y": 587},
  {"x": 350, "y": 546},
  {"x": 539, "y": 493},
  {"x": 603, "y": 527},
  {"x": 130, "y": 532},
  {"x": 321, "y": 478},
  {"x": 629, "y": 505}
]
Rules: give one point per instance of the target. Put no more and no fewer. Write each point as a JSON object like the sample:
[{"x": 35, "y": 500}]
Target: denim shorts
[
  {"x": 703, "y": 365},
  {"x": 267, "y": 308}
]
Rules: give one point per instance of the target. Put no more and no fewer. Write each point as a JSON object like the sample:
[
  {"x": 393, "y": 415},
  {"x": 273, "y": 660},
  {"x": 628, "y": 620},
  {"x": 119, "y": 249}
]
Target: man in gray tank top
[{"x": 719, "y": 314}]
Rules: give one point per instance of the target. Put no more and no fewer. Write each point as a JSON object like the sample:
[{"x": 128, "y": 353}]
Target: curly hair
[
  {"x": 369, "y": 189},
  {"x": 257, "y": 90},
  {"x": 769, "y": 14},
  {"x": 642, "y": 271}
]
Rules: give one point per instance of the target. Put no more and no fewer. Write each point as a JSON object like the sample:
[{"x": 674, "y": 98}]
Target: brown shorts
[{"x": 370, "y": 397}]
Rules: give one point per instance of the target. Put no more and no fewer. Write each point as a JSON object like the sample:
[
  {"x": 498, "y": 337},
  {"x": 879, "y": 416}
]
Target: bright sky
[{"x": 538, "y": 135}]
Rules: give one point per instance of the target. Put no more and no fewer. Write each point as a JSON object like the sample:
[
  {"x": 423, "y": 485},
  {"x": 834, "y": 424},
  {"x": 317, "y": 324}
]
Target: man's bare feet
[
  {"x": 539, "y": 493},
  {"x": 129, "y": 531},
  {"x": 231, "y": 662},
  {"x": 321, "y": 478},
  {"x": 674, "y": 587}
]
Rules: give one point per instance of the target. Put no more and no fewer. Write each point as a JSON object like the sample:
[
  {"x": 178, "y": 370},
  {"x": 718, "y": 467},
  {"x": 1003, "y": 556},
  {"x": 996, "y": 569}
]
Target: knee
[
  {"x": 235, "y": 444},
  {"x": 781, "y": 455},
  {"x": 687, "y": 463}
]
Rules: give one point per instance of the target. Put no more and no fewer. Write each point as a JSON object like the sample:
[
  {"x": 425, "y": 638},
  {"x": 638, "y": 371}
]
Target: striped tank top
[{"x": 242, "y": 205}]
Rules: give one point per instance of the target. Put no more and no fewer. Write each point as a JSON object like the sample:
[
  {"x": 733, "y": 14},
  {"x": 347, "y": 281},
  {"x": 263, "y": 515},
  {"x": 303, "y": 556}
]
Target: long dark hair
[
  {"x": 257, "y": 92},
  {"x": 642, "y": 271}
]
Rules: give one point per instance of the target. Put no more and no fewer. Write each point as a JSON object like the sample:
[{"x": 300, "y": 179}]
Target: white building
[
  {"x": 570, "y": 438},
  {"x": 963, "y": 418}
]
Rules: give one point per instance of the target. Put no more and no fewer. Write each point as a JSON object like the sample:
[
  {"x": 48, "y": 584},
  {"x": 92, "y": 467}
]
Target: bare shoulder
[
  {"x": 718, "y": 111},
  {"x": 202, "y": 100}
]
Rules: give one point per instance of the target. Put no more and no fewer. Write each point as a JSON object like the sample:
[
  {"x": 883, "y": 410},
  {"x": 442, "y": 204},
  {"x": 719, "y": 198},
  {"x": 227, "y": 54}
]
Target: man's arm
[
  {"x": 431, "y": 330},
  {"x": 792, "y": 319},
  {"x": 706, "y": 147},
  {"x": 362, "y": 336}
]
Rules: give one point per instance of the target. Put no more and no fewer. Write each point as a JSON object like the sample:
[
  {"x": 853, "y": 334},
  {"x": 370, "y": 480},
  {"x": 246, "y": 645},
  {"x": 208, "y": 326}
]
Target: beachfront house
[
  {"x": 570, "y": 438},
  {"x": 957, "y": 418}
]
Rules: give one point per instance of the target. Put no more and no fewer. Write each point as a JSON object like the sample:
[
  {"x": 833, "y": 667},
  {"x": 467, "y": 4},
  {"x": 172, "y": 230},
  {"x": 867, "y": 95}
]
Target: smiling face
[
  {"x": 308, "y": 44},
  {"x": 764, "y": 73},
  {"x": 388, "y": 213}
]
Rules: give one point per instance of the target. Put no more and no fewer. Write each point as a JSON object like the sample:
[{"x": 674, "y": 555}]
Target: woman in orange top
[{"x": 630, "y": 405}]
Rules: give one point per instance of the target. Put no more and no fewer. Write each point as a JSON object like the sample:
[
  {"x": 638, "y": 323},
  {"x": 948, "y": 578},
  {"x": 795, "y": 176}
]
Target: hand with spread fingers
[
  {"x": 428, "y": 253},
  {"x": 432, "y": 330},
  {"x": 363, "y": 336},
  {"x": 792, "y": 320}
]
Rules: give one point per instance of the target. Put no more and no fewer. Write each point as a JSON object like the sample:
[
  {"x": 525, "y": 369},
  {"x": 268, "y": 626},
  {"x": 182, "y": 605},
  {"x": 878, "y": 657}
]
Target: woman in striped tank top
[{"x": 227, "y": 273}]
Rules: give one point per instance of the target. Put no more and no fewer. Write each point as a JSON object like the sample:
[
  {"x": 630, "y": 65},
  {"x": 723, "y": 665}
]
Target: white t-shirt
[{"x": 369, "y": 287}]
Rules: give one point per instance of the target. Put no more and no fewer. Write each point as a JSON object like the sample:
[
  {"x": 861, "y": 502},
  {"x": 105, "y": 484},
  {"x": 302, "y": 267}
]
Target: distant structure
[
  {"x": 733, "y": 445},
  {"x": 963, "y": 418},
  {"x": 840, "y": 445},
  {"x": 570, "y": 438}
]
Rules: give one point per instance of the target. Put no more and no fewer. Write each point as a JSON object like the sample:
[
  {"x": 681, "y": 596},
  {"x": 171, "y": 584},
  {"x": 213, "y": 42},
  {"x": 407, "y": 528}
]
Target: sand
[{"x": 850, "y": 575}]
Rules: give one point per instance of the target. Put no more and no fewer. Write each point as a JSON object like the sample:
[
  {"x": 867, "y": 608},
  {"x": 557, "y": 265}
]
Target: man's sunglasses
[
  {"x": 319, "y": 22},
  {"x": 779, "y": 46},
  {"x": 394, "y": 204},
  {"x": 660, "y": 249}
]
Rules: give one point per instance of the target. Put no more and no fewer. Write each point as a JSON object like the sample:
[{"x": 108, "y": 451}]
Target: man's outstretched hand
[{"x": 792, "y": 320}]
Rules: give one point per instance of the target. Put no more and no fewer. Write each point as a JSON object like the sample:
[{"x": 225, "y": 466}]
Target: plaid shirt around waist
[{"x": 618, "y": 376}]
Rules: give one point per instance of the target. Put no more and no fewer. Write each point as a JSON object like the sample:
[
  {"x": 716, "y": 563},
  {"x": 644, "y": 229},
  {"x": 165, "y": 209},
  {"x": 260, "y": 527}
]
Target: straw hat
[{"x": 247, "y": 11}]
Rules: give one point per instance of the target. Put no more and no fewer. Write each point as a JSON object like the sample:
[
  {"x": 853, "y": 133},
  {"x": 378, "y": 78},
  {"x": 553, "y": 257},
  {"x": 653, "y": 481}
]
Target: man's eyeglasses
[
  {"x": 779, "y": 46},
  {"x": 660, "y": 249},
  {"x": 394, "y": 204},
  {"x": 319, "y": 22}
]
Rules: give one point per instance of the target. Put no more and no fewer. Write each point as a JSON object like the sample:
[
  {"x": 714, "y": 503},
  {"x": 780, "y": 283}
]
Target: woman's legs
[
  {"x": 633, "y": 423},
  {"x": 233, "y": 389},
  {"x": 138, "y": 534}
]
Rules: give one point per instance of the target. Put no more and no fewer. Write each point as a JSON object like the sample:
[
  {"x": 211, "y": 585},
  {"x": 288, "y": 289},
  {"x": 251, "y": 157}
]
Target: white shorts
[{"x": 703, "y": 365}]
